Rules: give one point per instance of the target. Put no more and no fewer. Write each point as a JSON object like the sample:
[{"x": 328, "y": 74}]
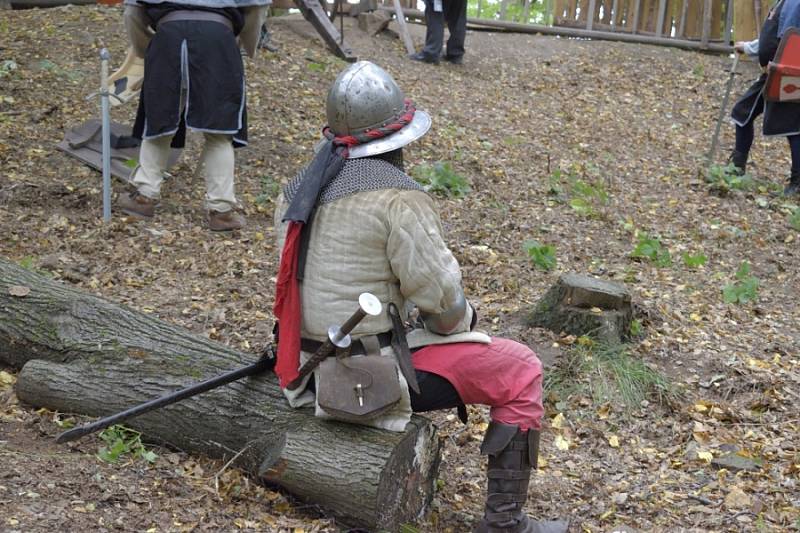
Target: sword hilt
[{"x": 368, "y": 304}]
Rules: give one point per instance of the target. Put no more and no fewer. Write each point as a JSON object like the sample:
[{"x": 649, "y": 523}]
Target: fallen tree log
[{"x": 82, "y": 354}]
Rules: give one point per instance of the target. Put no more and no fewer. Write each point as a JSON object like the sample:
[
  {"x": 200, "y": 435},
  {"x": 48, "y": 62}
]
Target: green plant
[
  {"x": 694, "y": 261},
  {"x": 269, "y": 190},
  {"x": 650, "y": 248},
  {"x": 586, "y": 197},
  {"x": 585, "y": 194},
  {"x": 26, "y": 262},
  {"x": 131, "y": 163},
  {"x": 440, "y": 178},
  {"x": 724, "y": 178},
  {"x": 636, "y": 327},
  {"x": 608, "y": 373},
  {"x": 542, "y": 255},
  {"x": 744, "y": 290},
  {"x": 554, "y": 183},
  {"x": 794, "y": 219},
  {"x": 49, "y": 66},
  {"x": 122, "y": 441}
]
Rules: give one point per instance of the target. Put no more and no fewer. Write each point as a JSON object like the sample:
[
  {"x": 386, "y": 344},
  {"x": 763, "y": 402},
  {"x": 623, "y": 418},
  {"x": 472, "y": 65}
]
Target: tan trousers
[{"x": 216, "y": 165}]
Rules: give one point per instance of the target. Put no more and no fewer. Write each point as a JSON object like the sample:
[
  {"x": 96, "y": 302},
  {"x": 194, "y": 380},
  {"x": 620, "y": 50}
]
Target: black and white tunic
[{"x": 194, "y": 78}]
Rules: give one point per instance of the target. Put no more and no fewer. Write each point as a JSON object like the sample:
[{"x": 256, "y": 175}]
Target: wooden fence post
[
  {"x": 706, "y": 22},
  {"x": 590, "y": 14},
  {"x": 662, "y": 10},
  {"x": 637, "y": 12}
]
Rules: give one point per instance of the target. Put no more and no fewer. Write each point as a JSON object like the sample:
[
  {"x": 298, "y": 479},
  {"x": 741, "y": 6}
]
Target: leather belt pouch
[{"x": 355, "y": 389}]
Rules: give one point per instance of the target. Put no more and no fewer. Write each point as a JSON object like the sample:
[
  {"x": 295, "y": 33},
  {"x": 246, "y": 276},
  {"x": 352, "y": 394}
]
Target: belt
[
  {"x": 356, "y": 348},
  {"x": 195, "y": 14}
]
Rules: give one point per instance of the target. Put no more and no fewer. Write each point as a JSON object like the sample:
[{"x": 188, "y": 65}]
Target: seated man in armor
[
  {"x": 353, "y": 221},
  {"x": 780, "y": 118},
  {"x": 194, "y": 78}
]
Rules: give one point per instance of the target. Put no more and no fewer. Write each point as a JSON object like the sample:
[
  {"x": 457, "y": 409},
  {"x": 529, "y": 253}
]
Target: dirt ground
[{"x": 523, "y": 119}]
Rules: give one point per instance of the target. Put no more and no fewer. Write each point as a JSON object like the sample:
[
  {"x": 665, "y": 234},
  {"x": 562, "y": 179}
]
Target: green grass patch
[
  {"x": 651, "y": 249},
  {"x": 694, "y": 261},
  {"x": 726, "y": 178},
  {"x": 744, "y": 289},
  {"x": 608, "y": 373},
  {"x": 269, "y": 190},
  {"x": 582, "y": 189},
  {"x": 794, "y": 219},
  {"x": 541, "y": 255},
  {"x": 441, "y": 178}
]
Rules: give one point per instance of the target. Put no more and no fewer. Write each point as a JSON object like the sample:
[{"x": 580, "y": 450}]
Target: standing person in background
[
  {"x": 194, "y": 78},
  {"x": 780, "y": 118},
  {"x": 437, "y": 12}
]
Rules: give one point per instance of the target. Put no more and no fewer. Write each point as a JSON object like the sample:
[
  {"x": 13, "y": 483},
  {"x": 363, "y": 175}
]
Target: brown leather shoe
[
  {"x": 137, "y": 204},
  {"x": 225, "y": 220}
]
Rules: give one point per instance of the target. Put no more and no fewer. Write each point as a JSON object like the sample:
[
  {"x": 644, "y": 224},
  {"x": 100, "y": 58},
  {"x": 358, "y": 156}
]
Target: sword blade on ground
[{"x": 262, "y": 365}]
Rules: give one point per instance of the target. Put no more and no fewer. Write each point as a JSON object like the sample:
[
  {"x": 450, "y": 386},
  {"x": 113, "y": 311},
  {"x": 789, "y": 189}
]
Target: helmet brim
[{"x": 418, "y": 127}]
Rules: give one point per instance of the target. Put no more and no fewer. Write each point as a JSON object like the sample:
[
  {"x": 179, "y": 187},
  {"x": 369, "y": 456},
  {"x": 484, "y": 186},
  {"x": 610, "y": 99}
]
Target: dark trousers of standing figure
[
  {"x": 454, "y": 12},
  {"x": 744, "y": 140}
]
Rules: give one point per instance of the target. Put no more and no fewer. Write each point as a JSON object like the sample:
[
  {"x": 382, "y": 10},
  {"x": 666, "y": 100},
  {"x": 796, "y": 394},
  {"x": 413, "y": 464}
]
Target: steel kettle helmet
[{"x": 365, "y": 97}]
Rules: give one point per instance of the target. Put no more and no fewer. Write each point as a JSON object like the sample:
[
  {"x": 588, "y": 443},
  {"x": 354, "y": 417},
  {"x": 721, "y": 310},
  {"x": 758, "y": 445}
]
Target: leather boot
[
  {"x": 739, "y": 160},
  {"x": 793, "y": 187},
  {"x": 225, "y": 220},
  {"x": 137, "y": 204},
  {"x": 512, "y": 453}
]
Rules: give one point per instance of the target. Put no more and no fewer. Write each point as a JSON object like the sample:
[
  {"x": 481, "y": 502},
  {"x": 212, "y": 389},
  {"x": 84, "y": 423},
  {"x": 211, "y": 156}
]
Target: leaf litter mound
[{"x": 594, "y": 148}]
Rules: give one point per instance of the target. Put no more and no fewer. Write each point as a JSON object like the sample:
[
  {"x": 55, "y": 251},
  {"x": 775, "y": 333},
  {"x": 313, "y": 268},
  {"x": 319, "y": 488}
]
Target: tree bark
[{"x": 82, "y": 354}]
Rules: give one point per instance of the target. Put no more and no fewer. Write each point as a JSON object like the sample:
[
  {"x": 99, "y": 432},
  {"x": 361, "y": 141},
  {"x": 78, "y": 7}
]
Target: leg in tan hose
[
  {"x": 217, "y": 164},
  {"x": 147, "y": 178}
]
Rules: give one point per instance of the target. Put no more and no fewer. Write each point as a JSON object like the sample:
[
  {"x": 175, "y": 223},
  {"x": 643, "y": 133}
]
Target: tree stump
[
  {"x": 82, "y": 354},
  {"x": 583, "y": 305}
]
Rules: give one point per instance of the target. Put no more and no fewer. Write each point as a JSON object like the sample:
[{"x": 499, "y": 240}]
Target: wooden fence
[{"x": 701, "y": 21}]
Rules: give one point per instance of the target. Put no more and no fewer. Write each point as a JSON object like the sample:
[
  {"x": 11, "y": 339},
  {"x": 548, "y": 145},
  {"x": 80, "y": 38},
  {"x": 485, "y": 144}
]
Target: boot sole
[{"x": 134, "y": 214}]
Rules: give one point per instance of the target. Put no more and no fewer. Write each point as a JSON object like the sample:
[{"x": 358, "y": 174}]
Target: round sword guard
[
  {"x": 337, "y": 339},
  {"x": 370, "y": 304}
]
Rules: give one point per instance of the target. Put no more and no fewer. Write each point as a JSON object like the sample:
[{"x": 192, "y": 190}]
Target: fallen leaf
[
  {"x": 6, "y": 378},
  {"x": 562, "y": 443},
  {"x": 737, "y": 499},
  {"x": 558, "y": 421},
  {"x": 19, "y": 290},
  {"x": 613, "y": 441},
  {"x": 705, "y": 456}
]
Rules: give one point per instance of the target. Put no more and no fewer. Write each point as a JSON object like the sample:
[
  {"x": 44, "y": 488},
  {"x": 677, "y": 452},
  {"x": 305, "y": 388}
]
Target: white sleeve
[{"x": 751, "y": 48}]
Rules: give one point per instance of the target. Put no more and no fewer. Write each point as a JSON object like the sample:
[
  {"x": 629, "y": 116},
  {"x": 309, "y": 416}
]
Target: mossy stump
[{"x": 583, "y": 305}]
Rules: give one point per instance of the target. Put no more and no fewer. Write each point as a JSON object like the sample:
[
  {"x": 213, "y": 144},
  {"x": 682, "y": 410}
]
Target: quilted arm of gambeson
[{"x": 428, "y": 272}]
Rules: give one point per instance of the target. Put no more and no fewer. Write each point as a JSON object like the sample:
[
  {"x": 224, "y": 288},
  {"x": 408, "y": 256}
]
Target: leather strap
[
  {"x": 356, "y": 348},
  {"x": 195, "y": 14}
]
